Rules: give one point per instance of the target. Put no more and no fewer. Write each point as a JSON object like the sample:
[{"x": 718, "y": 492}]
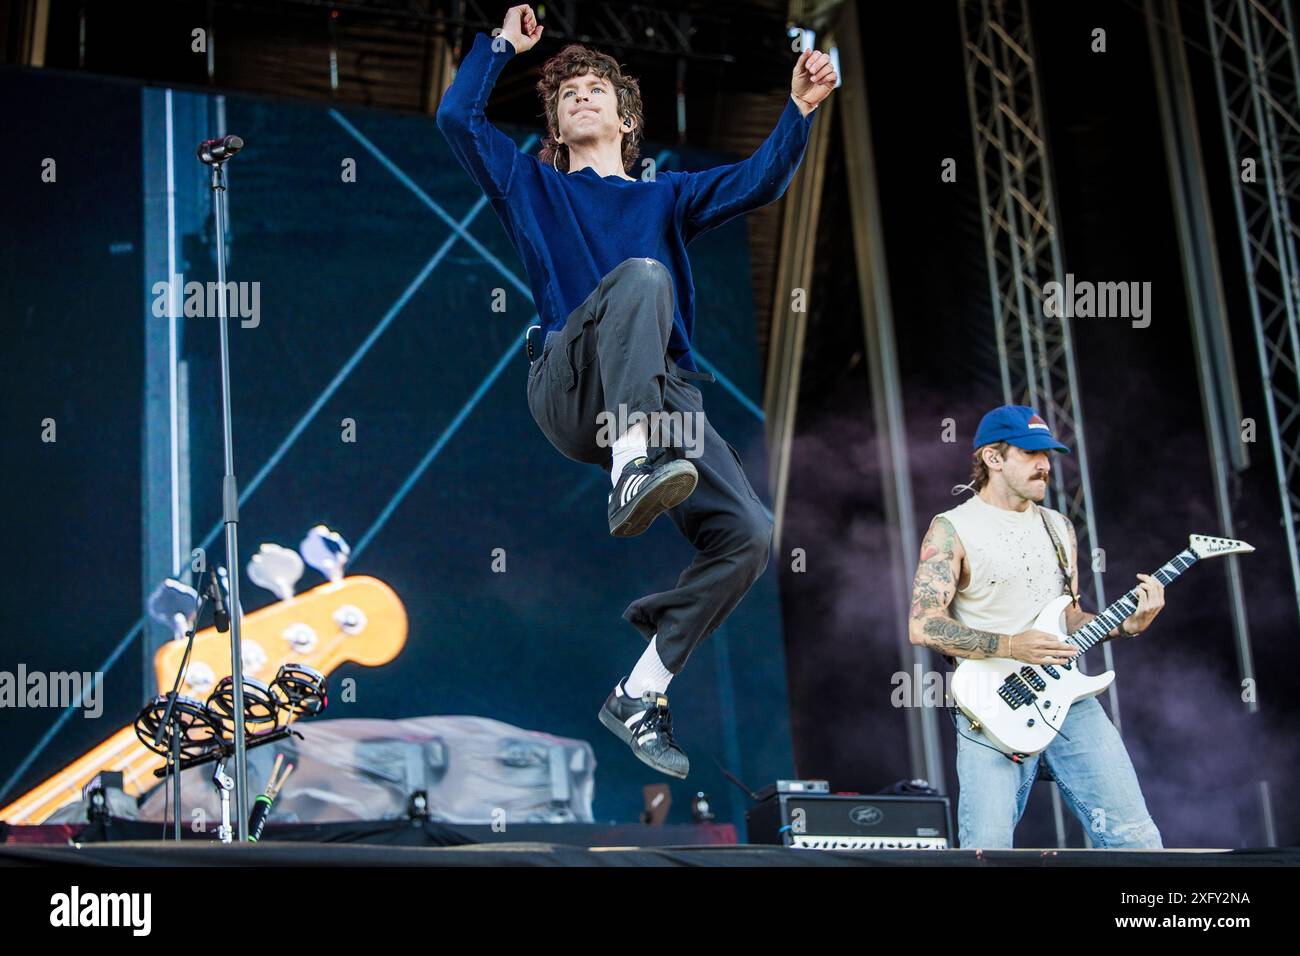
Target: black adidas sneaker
[
  {"x": 645, "y": 724},
  {"x": 645, "y": 490}
]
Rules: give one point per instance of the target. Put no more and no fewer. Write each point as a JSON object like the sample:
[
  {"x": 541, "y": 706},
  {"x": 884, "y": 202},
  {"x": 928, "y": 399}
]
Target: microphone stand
[
  {"x": 215, "y": 154},
  {"x": 169, "y": 713}
]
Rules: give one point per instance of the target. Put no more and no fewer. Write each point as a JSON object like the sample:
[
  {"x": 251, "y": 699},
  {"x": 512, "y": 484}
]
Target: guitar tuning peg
[
  {"x": 275, "y": 568},
  {"x": 326, "y": 551},
  {"x": 174, "y": 604}
]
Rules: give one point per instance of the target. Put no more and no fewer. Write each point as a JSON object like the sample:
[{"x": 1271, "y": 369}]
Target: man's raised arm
[
  {"x": 487, "y": 154},
  {"x": 714, "y": 196}
]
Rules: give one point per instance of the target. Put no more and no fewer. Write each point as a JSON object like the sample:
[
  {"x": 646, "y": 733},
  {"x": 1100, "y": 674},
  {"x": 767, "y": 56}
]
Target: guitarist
[{"x": 986, "y": 570}]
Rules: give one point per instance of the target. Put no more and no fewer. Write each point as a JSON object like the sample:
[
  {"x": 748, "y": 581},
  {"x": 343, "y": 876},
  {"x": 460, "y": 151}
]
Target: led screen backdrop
[{"x": 376, "y": 389}]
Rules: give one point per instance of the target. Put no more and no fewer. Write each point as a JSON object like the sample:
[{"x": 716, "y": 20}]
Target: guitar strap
[{"x": 1062, "y": 557}]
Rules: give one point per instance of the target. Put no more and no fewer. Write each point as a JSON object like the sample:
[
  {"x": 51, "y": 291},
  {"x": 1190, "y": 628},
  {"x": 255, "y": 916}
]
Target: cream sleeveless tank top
[{"x": 1013, "y": 567}]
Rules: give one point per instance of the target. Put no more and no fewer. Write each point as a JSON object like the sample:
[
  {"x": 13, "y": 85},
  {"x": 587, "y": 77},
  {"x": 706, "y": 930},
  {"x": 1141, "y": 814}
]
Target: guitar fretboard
[{"x": 1105, "y": 622}]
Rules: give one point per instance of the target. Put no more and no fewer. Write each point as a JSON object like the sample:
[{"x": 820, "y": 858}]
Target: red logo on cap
[{"x": 1036, "y": 421}]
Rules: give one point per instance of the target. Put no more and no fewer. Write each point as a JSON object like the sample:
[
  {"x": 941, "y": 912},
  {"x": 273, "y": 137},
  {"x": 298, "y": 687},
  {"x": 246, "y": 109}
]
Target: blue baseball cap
[{"x": 1018, "y": 425}]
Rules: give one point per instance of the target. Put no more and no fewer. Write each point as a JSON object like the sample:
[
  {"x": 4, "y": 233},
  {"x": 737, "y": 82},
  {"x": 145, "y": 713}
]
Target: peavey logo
[
  {"x": 866, "y": 816},
  {"x": 102, "y": 909}
]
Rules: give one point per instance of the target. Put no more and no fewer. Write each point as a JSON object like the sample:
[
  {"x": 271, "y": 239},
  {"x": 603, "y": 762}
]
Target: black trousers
[{"x": 611, "y": 357}]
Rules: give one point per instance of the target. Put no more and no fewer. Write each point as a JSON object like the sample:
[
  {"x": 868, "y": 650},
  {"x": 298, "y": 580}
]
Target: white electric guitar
[{"x": 1020, "y": 707}]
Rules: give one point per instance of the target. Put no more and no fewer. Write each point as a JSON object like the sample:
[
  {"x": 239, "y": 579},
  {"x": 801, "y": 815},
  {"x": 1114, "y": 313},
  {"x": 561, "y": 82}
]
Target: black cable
[
  {"x": 1046, "y": 721},
  {"x": 732, "y": 778},
  {"x": 952, "y": 712},
  {"x": 167, "y": 793}
]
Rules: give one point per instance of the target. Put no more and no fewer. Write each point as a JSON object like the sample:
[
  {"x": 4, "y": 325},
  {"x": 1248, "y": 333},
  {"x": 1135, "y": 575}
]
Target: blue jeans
[{"x": 1092, "y": 770}]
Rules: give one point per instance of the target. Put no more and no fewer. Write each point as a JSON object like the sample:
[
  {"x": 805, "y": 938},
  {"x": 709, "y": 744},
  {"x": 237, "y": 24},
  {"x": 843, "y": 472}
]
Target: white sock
[
  {"x": 630, "y": 446},
  {"x": 649, "y": 672}
]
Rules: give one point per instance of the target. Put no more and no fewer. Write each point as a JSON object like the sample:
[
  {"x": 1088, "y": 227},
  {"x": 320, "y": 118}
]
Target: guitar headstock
[
  {"x": 1207, "y": 546},
  {"x": 357, "y": 618}
]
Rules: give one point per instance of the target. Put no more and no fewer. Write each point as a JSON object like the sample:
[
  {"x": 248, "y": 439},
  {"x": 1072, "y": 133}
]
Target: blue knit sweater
[{"x": 571, "y": 229}]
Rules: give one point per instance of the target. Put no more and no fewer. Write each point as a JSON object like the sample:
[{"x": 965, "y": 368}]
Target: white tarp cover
[{"x": 473, "y": 769}]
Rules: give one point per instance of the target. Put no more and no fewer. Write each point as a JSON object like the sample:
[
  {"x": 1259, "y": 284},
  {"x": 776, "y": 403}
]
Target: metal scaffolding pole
[
  {"x": 1023, "y": 251},
  {"x": 794, "y": 270},
  {"x": 838, "y": 22},
  {"x": 1257, "y": 74},
  {"x": 924, "y": 746},
  {"x": 1207, "y": 310}
]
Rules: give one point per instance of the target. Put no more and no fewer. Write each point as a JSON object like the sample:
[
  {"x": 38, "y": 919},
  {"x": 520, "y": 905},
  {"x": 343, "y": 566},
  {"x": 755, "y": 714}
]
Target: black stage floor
[{"x": 301, "y": 854}]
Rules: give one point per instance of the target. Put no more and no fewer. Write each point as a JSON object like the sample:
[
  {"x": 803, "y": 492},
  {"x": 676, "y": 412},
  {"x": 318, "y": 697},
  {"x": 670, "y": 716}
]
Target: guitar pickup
[
  {"x": 1051, "y": 671},
  {"x": 1015, "y": 691},
  {"x": 1031, "y": 677}
]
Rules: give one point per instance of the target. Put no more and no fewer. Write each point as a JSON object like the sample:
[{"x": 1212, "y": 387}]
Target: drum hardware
[
  {"x": 224, "y": 784},
  {"x": 196, "y": 733},
  {"x": 261, "y": 711},
  {"x": 299, "y": 690},
  {"x": 187, "y": 726}
]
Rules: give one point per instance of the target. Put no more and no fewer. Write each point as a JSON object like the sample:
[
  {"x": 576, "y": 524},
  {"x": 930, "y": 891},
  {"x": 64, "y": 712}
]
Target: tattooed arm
[{"x": 937, "y": 576}]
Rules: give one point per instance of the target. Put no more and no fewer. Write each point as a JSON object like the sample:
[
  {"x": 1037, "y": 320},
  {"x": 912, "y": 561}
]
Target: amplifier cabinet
[{"x": 846, "y": 822}]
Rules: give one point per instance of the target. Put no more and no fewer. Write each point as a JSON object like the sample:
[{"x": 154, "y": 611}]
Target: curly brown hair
[
  {"x": 574, "y": 60},
  {"x": 979, "y": 472}
]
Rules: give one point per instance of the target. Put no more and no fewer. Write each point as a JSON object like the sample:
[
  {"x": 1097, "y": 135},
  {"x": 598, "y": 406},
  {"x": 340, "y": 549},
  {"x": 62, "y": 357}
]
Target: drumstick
[
  {"x": 279, "y": 760},
  {"x": 276, "y": 791}
]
